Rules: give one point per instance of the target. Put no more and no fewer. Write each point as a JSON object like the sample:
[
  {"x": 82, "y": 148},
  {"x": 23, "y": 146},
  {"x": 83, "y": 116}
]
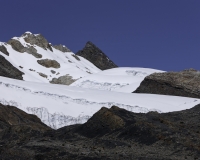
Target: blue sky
[{"x": 160, "y": 34}]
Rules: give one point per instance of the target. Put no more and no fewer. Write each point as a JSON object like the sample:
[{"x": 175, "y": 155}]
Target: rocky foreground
[{"x": 110, "y": 134}]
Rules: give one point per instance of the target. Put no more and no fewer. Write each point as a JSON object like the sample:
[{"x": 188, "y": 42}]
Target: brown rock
[
  {"x": 65, "y": 80},
  {"x": 38, "y": 40},
  {"x": 185, "y": 83},
  {"x": 49, "y": 63},
  {"x": 62, "y": 48}
]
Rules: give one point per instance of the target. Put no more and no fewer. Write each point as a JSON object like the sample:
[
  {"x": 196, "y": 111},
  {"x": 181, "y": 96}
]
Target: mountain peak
[
  {"x": 95, "y": 55},
  {"x": 89, "y": 44}
]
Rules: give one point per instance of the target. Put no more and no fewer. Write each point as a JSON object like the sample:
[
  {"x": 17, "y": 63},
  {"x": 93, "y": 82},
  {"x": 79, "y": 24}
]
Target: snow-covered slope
[
  {"x": 58, "y": 106},
  {"x": 27, "y": 63},
  {"x": 122, "y": 79}
]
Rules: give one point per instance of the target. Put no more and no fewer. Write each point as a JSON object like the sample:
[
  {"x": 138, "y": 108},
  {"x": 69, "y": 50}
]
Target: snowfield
[
  {"x": 122, "y": 79},
  {"x": 59, "y": 105}
]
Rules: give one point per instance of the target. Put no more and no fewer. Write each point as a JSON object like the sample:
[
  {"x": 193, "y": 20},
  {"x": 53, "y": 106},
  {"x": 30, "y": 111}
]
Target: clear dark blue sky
[{"x": 161, "y": 34}]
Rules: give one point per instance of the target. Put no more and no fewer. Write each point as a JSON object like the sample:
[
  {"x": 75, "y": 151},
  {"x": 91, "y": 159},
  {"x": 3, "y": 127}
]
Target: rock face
[
  {"x": 32, "y": 39},
  {"x": 62, "y": 48},
  {"x": 8, "y": 70},
  {"x": 38, "y": 40},
  {"x": 33, "y": 51},
  {"x": 4, "y": 50},
  {"x": 110, "y": 134},
  {"x": 13, "y": 117},
  {"x": 17, "y": 127},
  {"x": 65, "y": 80},
  {"x": 96, "y": 56},
  {"x": 16, "y": 45},
  {"x": 49, "y": 63},
  {"x": 103, "y": 122},
  {"x": 185, "y": 83}
]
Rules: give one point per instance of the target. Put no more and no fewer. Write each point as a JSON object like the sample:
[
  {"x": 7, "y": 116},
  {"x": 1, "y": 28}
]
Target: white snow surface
[
  {"x": 59, "y": 105},
  {"x": 122, "y": 79}
]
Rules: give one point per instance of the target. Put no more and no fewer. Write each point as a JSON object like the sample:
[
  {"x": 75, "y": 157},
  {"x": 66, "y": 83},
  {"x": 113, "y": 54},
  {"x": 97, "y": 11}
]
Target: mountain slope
[
  {"x": 59, "y": 106},
  {"x": 33, "y": 55},
  {"x": 93, "y": 54}
]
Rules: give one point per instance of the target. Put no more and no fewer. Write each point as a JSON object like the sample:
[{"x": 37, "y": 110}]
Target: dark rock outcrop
[
  {"x": 65, "y": 80},
  {"x": 110, "y": 134},
  {"x": 62, "y": 48},
  {"x": 76, "y": 57},
  {"x": 13, "y": 117},
  {"x": 53, "y": 72},
  {"x": 8, "y": 70},
  {"x": 185, "y": 83},
  {"x": 18, "y": 128},
  {"x": 49, "y": 63},
  {"x": 43, "y": 75},
  {"x": 96, "y": 56},
  {"x": 3, "y": 49}
]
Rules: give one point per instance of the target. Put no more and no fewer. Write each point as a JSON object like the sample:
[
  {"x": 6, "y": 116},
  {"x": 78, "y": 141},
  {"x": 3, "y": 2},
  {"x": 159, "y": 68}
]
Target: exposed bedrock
[
  {"x": 16, "y": 45},
  {"x": 62, "y": 48},
  {"x": 38, "y": 40},
  {"x": 8, "y": 70},
  {"x": 185, "y": 83},
  {"x": 43, "y": 75},
  {"x": 93, "y": 54},
  {"x": 65, "y": 80},
  {"x": 48, "y": 63},
  {"x": 3, "y": 49}
]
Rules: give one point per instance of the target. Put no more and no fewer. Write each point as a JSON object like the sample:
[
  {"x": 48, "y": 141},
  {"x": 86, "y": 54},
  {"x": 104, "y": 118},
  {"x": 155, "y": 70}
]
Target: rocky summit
[
  {"x": 93, "y": 54},
  {"x": 185, "y": 83},
  {"x": 109, "y": 134}
]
